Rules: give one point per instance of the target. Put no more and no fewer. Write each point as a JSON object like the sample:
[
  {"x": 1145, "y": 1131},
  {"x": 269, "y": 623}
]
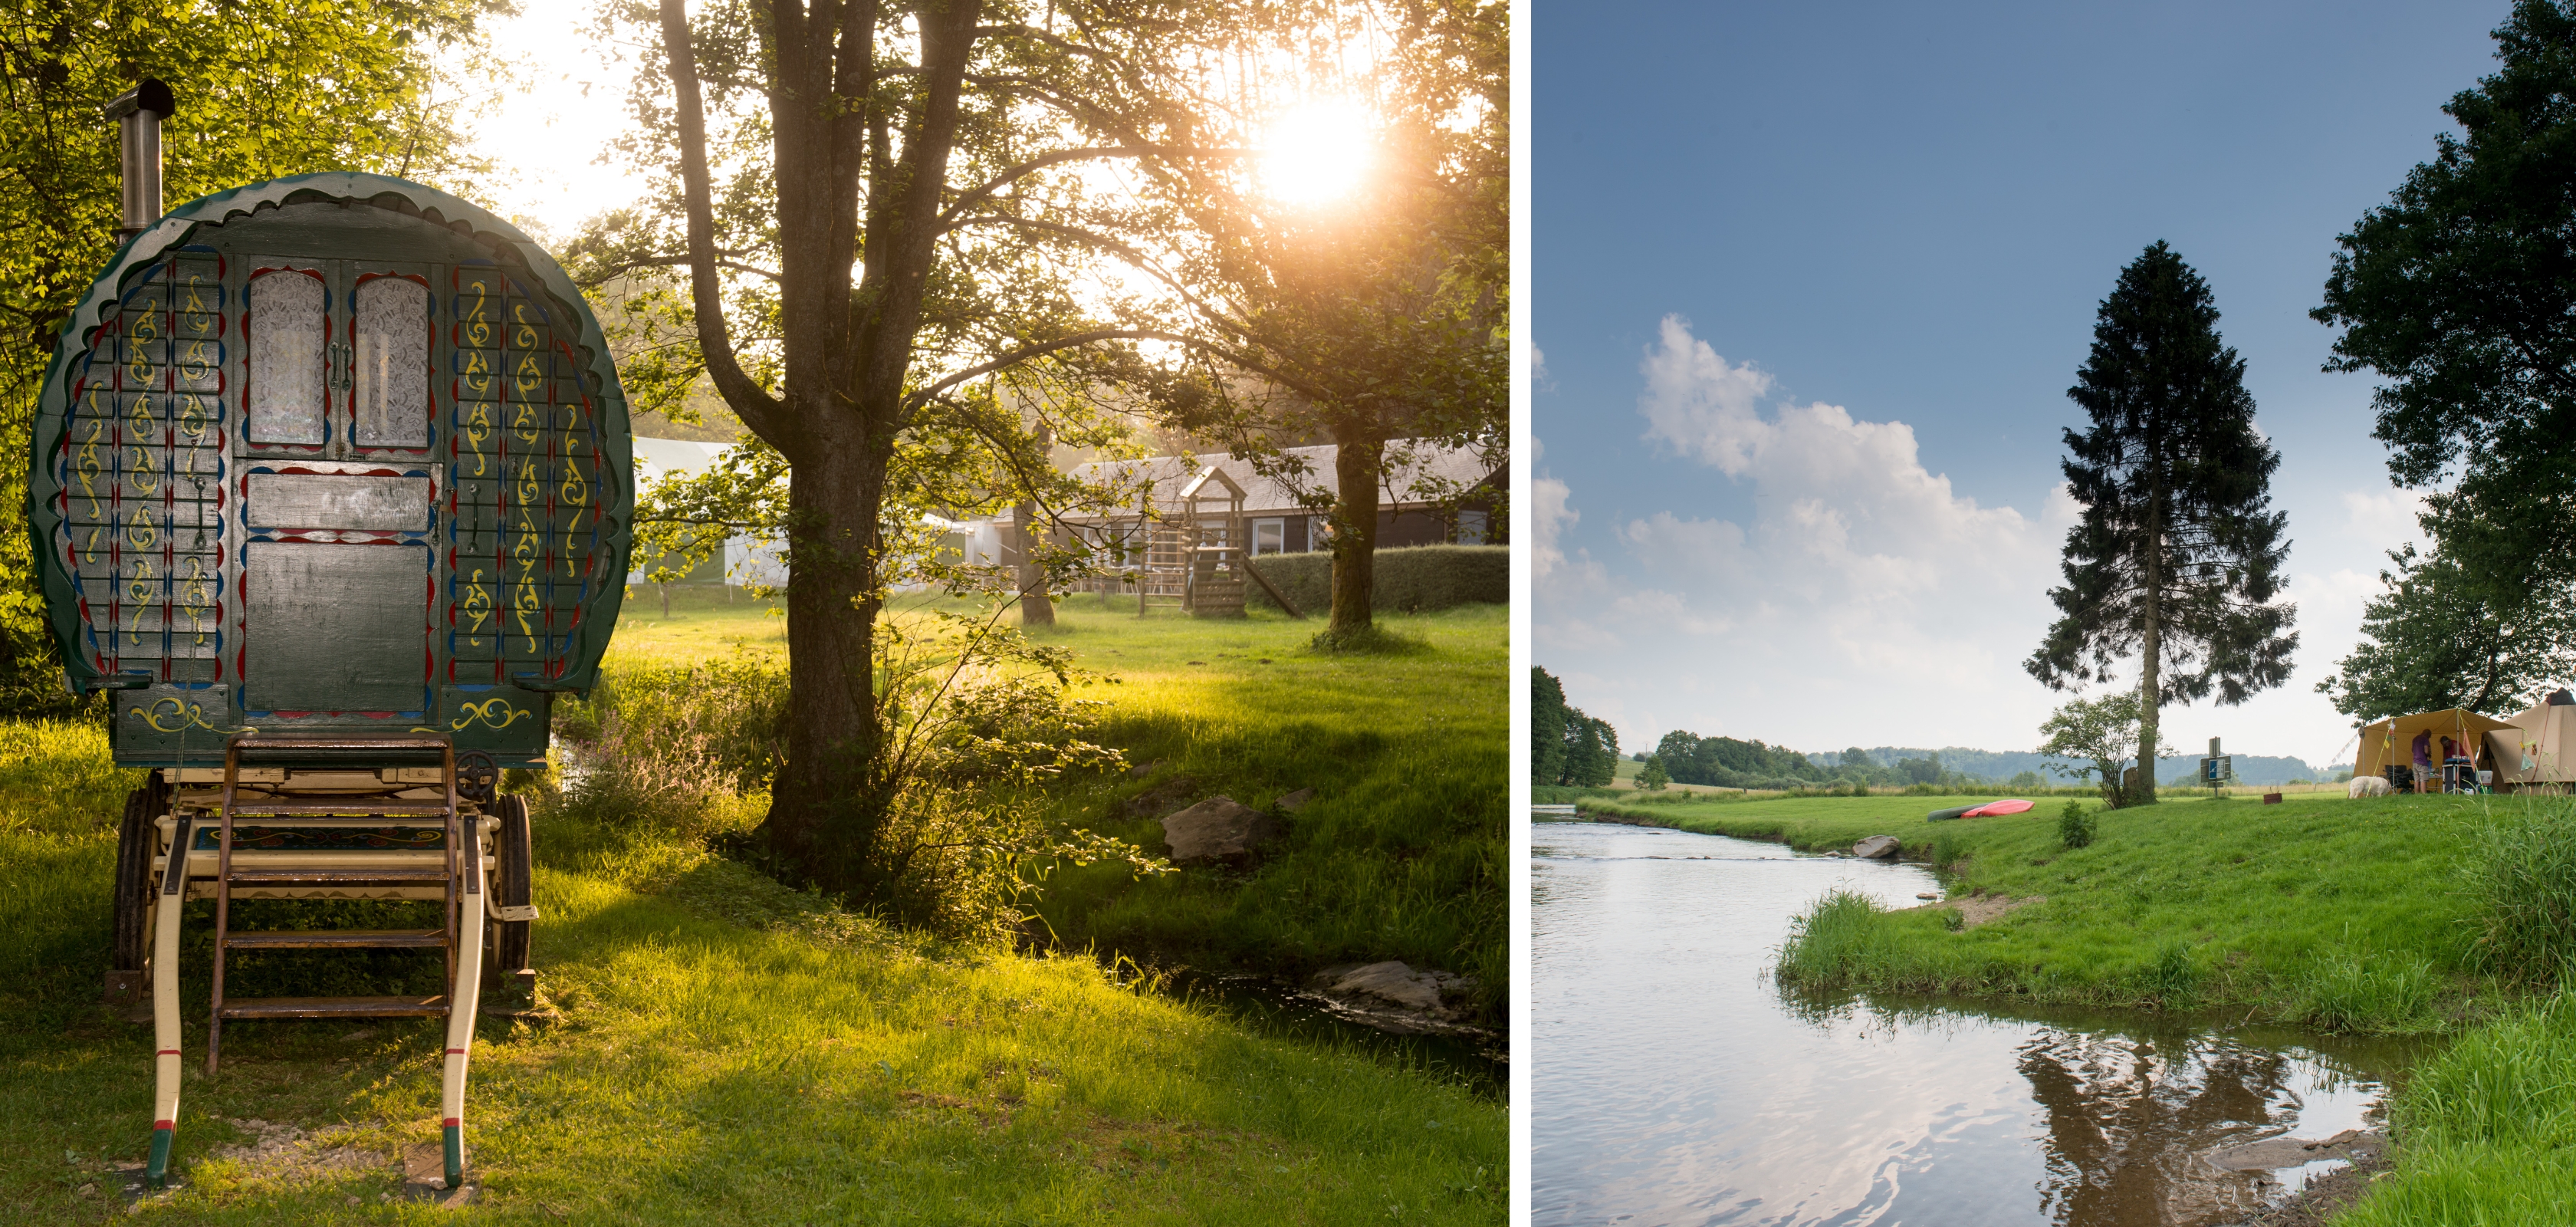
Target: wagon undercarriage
[{"x": 379, "y": 818}]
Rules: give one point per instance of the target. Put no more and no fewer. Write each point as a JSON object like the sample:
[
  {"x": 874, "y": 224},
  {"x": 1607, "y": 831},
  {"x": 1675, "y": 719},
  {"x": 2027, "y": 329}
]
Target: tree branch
[
  {"x": 600, "y": 277},
  {"x": 925, "y": 395},
  {"x": 983, "y": 191},
  {"x": 755, "y": 406}
]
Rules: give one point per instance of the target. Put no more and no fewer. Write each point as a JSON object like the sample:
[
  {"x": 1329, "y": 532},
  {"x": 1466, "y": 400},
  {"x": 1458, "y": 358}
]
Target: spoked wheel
[
  {"x": 136, "y": 840},
  {"x": 513, "y": 853}
]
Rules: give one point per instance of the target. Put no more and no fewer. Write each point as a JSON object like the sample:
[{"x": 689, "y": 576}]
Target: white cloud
[
  {"x": 1549, "y": 516},
  {"x": 1861, "y": 596},
  {"x": 2383, "y": 519}
]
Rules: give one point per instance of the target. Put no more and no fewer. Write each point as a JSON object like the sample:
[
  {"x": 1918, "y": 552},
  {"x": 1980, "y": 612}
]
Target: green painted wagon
[{"x": 329, "y": 491}]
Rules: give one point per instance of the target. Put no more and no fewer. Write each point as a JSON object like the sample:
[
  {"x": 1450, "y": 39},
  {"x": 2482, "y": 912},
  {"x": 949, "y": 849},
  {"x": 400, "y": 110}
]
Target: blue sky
[{"x": 1809, "y": 283}]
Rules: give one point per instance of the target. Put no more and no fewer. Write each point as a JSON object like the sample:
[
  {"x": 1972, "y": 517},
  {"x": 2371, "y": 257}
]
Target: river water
[{"x": 1674, "y": 1083}]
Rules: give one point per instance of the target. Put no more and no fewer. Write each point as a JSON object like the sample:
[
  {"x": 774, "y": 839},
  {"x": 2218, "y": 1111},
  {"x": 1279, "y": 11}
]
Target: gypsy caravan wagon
[{"x": 329, "y": 491}]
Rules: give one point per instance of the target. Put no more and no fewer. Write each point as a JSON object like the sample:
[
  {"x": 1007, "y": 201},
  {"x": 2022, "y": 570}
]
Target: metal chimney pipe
[{"x": 138, "y": 113}]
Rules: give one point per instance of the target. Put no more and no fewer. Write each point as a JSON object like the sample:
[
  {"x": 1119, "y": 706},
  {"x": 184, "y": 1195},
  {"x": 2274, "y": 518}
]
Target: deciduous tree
[
  {"x": 2092, "y": 737},
  {"x": 2177, "y": 556},
  {"x": 2437, "y": 638},
  {"x": 2460, "y": 291}
]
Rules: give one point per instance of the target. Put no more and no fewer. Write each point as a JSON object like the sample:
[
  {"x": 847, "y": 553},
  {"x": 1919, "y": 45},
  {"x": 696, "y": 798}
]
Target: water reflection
[{"x": 1674, "y": 1083}]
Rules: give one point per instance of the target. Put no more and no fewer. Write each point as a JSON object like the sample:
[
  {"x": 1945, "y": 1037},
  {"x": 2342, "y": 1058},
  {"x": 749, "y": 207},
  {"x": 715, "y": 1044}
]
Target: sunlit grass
[
  {"x": 1402, "y": 854},
  {"x": 731, "y": 1051}
]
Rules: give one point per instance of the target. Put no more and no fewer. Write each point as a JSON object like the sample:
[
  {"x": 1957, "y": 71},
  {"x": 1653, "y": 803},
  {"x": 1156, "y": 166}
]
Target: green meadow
[
  {"x": 2350, "y": 914},
  {"x": 725, "y": 1049}
]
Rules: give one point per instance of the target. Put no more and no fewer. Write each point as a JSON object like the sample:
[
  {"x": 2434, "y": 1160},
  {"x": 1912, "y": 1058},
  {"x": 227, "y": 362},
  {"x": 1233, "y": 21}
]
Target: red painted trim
[
  {"x": 451, "y": 1122},
  {"x": 161, "y": 1126},
  {"x": 455, "y": 1051},
  {"x": 167, "y": 1052}
]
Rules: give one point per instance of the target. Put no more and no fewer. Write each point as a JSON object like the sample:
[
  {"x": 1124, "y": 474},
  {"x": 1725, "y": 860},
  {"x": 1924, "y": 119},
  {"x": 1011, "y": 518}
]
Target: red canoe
[{"x": 1997, "y": 809}]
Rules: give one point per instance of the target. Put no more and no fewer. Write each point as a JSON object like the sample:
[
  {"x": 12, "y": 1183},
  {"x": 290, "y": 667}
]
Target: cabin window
[
  {"x": 1471, "y": 528},
  {"x": 1269, "y": 537},
  {"x": 391, "y": 405},
  {"x": 286, "y": 329}
]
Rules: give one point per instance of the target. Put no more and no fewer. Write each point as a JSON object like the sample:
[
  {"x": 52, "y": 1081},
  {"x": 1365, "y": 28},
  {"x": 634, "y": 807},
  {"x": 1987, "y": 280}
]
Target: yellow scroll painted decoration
[
  {"x": 140, "y": 533},
  {"x": 478, "y": 427},
  {"x": 194, "y": 600},
  {"x": 144, "y": 332},
  {"x": 482, "y": 713},
  {"x": 477, "y": 605},
  {"x": 145, "y": 479},
  {"x": 139, "y": 590},
  {"x": 182, "y": 714},
  {"x": 89, "y": 466}
]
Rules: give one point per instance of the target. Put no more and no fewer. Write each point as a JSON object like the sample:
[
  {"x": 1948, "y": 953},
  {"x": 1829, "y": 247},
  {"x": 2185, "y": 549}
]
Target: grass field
[
  {"x": 2320, "y": 909},
  {"x": 1402, "y": 853},
  {"x": 732, "y": 1051}
]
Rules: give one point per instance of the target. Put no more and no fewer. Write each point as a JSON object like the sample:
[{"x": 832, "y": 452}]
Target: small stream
[
  {"x": 1479, "y": 1063},
  {"x": 1674, "y": 1083}
]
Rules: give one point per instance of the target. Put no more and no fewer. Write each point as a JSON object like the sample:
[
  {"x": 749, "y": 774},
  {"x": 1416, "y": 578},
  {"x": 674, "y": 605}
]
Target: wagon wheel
[
  {"x": 135, "y": 843},
  {"x": 514, "y": 851}
]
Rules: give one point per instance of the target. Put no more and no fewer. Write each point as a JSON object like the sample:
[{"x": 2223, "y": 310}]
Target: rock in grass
[
  {"x": 1394, "y": 981},
  {"x": 1162, "y": 798},
  {"x": 1294, "y": 801},
  {"x": 1876, "y": 848},
  {"x": 1216, "y": 829}
]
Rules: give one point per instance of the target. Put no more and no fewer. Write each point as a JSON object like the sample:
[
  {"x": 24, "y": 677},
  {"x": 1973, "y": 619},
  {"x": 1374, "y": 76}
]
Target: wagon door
[{"x": 337, "y": 493}]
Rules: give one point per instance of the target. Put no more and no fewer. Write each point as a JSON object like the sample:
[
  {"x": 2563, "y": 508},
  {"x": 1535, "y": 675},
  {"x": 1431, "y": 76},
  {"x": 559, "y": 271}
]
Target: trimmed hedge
[{"x": 1410, "y": 579}]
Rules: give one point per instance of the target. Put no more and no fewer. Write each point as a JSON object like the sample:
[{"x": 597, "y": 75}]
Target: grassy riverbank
[
  {"x": 1402, "y": 853},
  {"x": 730, "y": 1052},
  {"x": 2348, "y": 914},
  {"x": 2403, "y": 914}
]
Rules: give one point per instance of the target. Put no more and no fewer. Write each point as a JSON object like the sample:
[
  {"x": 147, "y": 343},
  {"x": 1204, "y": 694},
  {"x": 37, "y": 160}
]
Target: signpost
[{"x": 2217, "y": 769}]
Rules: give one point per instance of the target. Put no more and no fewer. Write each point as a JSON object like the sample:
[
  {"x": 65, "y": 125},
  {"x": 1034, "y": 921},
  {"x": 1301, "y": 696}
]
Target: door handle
[{"x": 339, "y": 365}]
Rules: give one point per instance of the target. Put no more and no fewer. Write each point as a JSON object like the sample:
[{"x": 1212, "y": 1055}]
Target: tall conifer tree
[
  {"x": 2178, "y": 557},
  {"x": 1547, "y": 727}
]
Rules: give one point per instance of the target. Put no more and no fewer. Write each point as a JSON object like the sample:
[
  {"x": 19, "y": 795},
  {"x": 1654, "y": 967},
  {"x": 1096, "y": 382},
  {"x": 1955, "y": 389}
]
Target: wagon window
[
  {"x": 392, "y": 330},
  {"x": 286, "y": 329}
]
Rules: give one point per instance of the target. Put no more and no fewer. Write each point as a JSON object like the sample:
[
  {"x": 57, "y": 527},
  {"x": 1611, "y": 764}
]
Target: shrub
[
  {"x": 2075, "y": 825},
  {"x": 730, "y": 712},
  {"x": 1410, "y": 579}
]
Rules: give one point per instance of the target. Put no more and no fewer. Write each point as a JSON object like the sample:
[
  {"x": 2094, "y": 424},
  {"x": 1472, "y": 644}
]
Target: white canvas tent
[
  {"x": 2538, "y": 747},
  {"x": 2391, "y": 742}
]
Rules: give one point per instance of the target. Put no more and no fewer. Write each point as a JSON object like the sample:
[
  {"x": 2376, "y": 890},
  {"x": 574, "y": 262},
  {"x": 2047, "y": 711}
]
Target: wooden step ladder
[{"x": 457, "y": 875}]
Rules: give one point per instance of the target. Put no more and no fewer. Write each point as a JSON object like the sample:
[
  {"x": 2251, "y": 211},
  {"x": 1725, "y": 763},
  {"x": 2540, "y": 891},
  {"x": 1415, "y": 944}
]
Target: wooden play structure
[
  {"x": 330, "y": 493},
  {"x": 1189, "y": 547}
]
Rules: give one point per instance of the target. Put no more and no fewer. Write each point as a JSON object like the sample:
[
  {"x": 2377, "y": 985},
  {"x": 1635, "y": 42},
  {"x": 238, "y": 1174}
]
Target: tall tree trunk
[
  {"x": 1036, "y": 608},
  {"x": 826, "y": 803},
  {"x": 1355, "y": 476},
  {"x": 2149, "y": 678}
]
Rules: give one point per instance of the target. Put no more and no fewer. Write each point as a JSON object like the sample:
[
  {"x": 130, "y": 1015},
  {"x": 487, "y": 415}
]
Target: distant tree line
[{"x": 1566, "y": 746}]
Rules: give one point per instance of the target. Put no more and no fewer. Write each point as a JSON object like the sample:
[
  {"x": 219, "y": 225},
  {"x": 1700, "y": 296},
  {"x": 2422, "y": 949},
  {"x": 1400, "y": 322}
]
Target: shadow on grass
[{"x": 1368, "y": 641}]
